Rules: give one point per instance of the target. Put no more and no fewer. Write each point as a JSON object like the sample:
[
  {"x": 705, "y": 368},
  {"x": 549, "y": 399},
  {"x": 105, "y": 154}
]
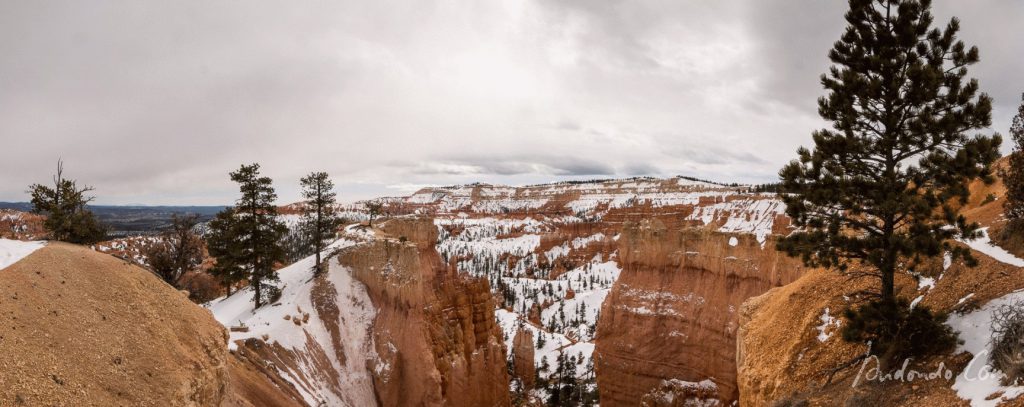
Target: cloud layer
[{"x": 154, "y": 102}]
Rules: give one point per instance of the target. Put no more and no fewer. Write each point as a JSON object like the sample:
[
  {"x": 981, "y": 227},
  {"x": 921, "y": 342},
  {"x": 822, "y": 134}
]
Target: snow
[
  {"x": 749, "y": 216},
  {"x": 925, "y": 283},
  {"x": 979, "y": 380},
  {"x": 269, "y": 323},
  {"x": 916, "y": 301},
  {"x": 827, "y": 320},
  {"x": 733, "y": 241},
  {"x": 984, "y": 244},
  {"x": 13, "y": 250}
]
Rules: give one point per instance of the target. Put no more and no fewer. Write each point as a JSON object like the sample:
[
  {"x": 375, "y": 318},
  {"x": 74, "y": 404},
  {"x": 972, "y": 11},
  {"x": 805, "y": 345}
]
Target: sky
[{"x": 156, "y": 102}]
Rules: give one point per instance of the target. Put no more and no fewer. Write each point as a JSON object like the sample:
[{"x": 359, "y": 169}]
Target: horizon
[
  {"x": 12, "y": 204},
  {"x": 156, "y": 103}
]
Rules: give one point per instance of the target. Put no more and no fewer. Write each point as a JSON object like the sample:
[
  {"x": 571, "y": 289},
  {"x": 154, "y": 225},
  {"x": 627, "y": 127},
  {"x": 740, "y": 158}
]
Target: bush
[
  {"x": 269, "y": 293},
  {"x": 897, "y": 332},
  {"x": 202, "y": 287},
  {"x": 1008, "y": 341},
  {"x": 989, "y": 199}
]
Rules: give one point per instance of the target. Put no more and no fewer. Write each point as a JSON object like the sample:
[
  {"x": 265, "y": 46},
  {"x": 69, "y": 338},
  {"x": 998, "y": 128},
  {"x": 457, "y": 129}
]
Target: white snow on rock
[
  {"x": 733, "y": 241},
  {"x": 269, "y": 323},
  {"x": 827, "y": 320},
  {"x": 980, "y": 380},
  {"x": 984, "y": 244},
  {"x": 13, "y": 250},
  {"x": 751, "y": 216}
]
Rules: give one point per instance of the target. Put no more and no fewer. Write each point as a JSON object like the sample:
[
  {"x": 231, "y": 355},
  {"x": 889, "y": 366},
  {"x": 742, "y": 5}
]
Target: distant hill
[{"x": 134, "y": 219}]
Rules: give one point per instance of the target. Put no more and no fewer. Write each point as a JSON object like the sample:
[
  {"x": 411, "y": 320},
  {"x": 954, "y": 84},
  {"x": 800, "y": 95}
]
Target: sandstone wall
[
  {"x": 435, "y": 330},
  {"x": 673, "y": 312}
]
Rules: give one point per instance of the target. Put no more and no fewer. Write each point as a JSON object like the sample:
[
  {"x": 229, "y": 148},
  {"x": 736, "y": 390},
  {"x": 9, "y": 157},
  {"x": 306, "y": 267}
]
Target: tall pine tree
[
  {"x": 248, "y": 235},
  {"x": 1013, "y": 176},
  {"x": 319, "y": 213},
  {"x": 882, "y": 186}
]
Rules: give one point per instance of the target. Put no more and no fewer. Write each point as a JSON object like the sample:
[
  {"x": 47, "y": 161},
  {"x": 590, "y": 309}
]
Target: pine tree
[
  {"x": 67, "y": 218},
  {"x": 261, "y": 231},
  {"x": 1013, "y": 175},
  {"x": 881, "y": 187},
  {"x": 373, "y": 209},
  {"x": 320, "y": 219},
  {"x": 226, "y": 249},
  {"x": 246, "y": 238},
  {"x": 179, "y": 250}
]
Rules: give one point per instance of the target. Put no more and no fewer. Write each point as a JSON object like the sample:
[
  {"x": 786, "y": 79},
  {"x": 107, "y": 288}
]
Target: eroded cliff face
[
  {"x": 435, "y": 330},
  {"x": 672, "y": 314}
]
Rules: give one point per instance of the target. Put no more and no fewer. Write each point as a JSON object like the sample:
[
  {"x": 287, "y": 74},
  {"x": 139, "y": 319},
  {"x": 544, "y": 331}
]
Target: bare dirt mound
[{"x": 78, "y": 328}]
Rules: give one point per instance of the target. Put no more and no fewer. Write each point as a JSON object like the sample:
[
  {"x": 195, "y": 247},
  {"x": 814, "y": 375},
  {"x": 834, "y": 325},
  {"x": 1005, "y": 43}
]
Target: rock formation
[
  {"x": 522, "y": 358},
  {"x": 672, "y": 313},
  {"x": 435, "y": 330}
]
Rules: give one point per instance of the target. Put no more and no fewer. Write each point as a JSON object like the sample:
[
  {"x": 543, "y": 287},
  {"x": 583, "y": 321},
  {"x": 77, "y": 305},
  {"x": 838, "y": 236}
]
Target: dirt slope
[{"x": 84, "y": 328}]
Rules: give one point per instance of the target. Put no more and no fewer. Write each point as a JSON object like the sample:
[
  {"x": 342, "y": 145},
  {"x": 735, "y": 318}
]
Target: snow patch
[
  {"x": 984, "y": 244},
  {"x": 11, "y": 251},
  {"x": 979, "y": 380},
  {"x": 827, "y": 320}
]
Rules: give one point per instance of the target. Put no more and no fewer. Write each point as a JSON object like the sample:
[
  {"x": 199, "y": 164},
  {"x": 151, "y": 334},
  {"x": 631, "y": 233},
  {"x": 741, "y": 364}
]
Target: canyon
[{"x": 647, "y": 291}]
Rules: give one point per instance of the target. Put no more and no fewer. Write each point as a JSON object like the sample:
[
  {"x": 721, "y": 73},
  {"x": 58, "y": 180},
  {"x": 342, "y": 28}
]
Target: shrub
[
  {"x": 270, "y": 294},
  {"x": 1008, "y": 341},
  {"x": 897, "y": 332},
  {"x": 989, "y": 199}
]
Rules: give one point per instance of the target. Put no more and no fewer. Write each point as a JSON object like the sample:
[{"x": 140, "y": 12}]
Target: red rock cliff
[
  {"x": 435, "y": 330},
  {"x": 672, "y": 315}
]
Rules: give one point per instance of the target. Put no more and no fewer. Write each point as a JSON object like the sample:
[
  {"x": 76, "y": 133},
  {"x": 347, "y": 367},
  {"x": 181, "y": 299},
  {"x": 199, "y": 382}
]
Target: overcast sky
[{"x": 155, "y": 102}]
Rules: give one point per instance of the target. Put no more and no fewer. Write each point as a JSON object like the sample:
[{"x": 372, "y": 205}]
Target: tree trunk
[{"x": 256, "y": 285}]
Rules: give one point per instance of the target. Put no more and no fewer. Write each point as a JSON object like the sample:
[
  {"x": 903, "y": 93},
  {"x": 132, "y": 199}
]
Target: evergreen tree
[
  {"x": 882, "y": 185},
  {"x": 373, "y": 209},
  {"x": 226, "y": 249},
  {"x": 1013, "y": 175},
  {"x": 179, "y": 250},
  {"x": 67, "y": 218},
  {"x": 261, "y": 231},
  {"x": 320, "y": 219}
]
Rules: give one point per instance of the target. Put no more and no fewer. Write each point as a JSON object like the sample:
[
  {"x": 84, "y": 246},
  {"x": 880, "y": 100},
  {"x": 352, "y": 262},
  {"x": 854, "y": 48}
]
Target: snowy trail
[
  {"x": 13, "y": 250},
  {"x": 984, "y": 244}
]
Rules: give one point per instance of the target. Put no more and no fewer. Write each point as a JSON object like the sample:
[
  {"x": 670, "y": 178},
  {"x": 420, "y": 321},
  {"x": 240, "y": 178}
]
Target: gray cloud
[{"x": 155, "y": 102}]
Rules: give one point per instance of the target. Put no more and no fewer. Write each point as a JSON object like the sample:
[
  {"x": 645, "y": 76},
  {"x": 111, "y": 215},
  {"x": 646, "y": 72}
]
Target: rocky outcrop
[
  {"x": 522, "y": 358},
  {"x": 672, "y": 314},
  {"x": 84, "y": 328},
  {"x": 434, "y": 331}
]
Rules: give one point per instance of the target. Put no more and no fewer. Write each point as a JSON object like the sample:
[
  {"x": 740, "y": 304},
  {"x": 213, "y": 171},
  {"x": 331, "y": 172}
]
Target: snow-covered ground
[
  {"x": 984, "y": 244},
  {"x": 275, "y": 324},
  {"x": 979, "y": 380},
  {"x": 13, "y": 250}
]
